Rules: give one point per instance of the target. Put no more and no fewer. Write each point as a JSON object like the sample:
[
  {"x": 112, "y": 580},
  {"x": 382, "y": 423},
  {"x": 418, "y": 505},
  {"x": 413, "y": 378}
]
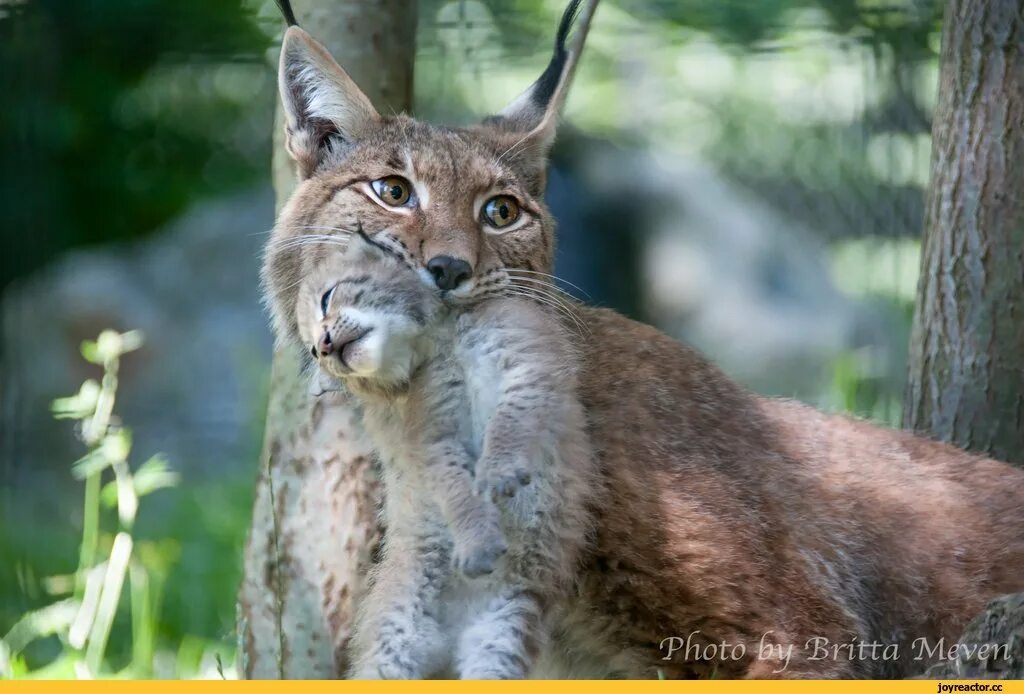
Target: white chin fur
[
  {"x": 381, "y": 355},
  {"x": 464, "y": 290},
  {"x": 366, "y": 357}
]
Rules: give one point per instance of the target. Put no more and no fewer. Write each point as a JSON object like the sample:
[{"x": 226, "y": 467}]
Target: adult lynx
[{"x": 720, "y": 516}]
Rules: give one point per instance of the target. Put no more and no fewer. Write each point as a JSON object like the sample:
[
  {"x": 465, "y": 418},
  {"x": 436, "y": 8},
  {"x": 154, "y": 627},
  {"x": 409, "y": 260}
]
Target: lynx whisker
[
  {"x": 325, "y": 228},
  {"x": 555, "y": 278},
  {"x": 580, "y": 327},
  {"x": 308, "y": 244},
  {"x": 312, "y": 227},
  {"x": 549, "y": 300},
  {"x": 546, "y": 285},
  {"x": 309, "y": 240},
  {"x": 544, "y": 288},
  {"x": 568, "y": 307}
]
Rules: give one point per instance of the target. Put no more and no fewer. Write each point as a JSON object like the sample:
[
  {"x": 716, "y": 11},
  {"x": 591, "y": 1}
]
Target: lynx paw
[
  {"x": 479, "y": 557},
  {"x": 496, "y": 481},
  {"x": 364, "y": 673},
  {"x": 385, "y": 668}
]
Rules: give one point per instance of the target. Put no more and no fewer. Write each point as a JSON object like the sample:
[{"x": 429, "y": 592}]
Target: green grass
[
  {"x": 195, "y": 540},
  {"x": 131, "y": 588}
]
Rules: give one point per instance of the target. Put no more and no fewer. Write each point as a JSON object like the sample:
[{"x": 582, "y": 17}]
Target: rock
[
  {"x": 195, "y": 391},
  {"x": 714, "y": 265}
]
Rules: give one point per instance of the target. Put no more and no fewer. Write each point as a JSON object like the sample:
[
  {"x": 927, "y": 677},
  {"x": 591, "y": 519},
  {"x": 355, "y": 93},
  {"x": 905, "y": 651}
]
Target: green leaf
[
  {"x": 62, "y": 668},
  {"x": 91, "y": 353},
  {"x": 152, "y": 475},
  {"x": 114, "y": 448},
  {"x": 40, "y": 623},
  {"x": 108, "y": 495},
  {"x": 117, "y": 445},
  {"x": 90, "y": 464},
  {"x": 131, "y": 341},
  {"x": 110, "y": 345},
  {"x": 80, "y": 405}
]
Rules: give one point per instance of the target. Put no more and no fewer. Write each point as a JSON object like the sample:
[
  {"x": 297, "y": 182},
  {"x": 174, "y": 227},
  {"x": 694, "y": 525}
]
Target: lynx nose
[
  {"x": 449, "y": 272},
  {"x": 324, "y": 345}
]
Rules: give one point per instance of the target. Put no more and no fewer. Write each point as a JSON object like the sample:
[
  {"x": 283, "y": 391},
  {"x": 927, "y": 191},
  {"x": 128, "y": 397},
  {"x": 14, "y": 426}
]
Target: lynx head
[
  {"x": 462, "y": 207},
  {"x": 366, "y": 318}
]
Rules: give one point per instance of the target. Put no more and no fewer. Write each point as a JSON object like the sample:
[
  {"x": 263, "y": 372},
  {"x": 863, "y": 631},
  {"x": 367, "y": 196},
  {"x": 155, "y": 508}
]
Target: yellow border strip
[{"x": 534, "y": 687}]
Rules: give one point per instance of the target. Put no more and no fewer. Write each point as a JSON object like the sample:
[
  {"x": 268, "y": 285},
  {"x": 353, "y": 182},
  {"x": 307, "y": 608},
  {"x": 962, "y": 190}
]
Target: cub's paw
[
  {"x": 364, "y": 673},
  {"x": 479, "y": 556},
  {"x": 393, "y": 671},
  {"x": 382, "y": 670},
  {"x": 495, "y": 481}
]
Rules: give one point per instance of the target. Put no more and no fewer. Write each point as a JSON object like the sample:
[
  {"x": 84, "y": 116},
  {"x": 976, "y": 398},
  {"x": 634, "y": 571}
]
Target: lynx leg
[
  {"x": 474, "y": 521},
  {"x": 503, "y": 640},
  {"x": 397, "y": 634}
]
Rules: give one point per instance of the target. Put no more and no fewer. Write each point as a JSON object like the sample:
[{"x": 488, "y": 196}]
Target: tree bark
[
  {"x": 991, "y": 647},
  {"x": 314, "y": 516},
  {"x": 966, "y": 375}
]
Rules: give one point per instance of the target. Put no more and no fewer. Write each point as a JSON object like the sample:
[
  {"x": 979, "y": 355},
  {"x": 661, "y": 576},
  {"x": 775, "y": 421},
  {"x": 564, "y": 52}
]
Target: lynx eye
[
  {"x": 394, "y": 191},
  {"x": 500, "y": 211},
  {"x": 325, "y": 300}
]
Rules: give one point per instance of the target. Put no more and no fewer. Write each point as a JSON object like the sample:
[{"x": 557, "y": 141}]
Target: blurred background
[{"x": 747, "y": 176}]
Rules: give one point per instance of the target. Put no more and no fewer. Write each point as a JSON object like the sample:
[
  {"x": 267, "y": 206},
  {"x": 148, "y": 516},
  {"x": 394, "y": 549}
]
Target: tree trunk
[
  {"x": 966, "y": 376},
  {"x": 991, "y": 647},
  {"x": 314, "y": 514}
]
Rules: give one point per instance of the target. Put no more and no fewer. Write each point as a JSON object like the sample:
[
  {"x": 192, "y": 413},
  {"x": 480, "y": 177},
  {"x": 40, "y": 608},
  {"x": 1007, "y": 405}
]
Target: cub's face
[{"x": 366, "y": 316}]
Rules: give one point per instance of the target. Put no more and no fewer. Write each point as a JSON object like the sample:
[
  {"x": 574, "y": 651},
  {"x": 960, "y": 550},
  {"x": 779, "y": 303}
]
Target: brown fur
[
  {"x": 737, "y": 515},
  {"x": 720, "y": 512}
]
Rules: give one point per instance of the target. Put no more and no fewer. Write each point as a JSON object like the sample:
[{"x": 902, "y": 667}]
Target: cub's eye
[
  {"x": 325, "y": 300},
  {"x": 500, "y": 211},
  {"x": 394, "y": 191}
]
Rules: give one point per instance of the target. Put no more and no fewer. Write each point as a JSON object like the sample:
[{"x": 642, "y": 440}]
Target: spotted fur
[{"x": 470, "y": 410}]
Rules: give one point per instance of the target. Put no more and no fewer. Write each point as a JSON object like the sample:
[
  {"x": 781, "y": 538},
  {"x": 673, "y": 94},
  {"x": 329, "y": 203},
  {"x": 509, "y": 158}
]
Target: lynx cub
[{"x": 467, "y": 406}]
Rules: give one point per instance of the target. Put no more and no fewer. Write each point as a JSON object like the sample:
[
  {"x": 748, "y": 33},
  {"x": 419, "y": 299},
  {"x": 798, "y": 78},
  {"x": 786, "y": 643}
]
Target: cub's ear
[
  {"x": 535, "y": 113},
  {"x": 325, "y": 112}
]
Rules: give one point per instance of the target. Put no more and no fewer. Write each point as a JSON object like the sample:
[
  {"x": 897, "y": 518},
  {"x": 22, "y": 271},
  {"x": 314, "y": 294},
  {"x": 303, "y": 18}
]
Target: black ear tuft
[
  {"x": 289, "y": 14},
  {"x": 545, "y": 86},
  {"x": 528, "y": 124}
]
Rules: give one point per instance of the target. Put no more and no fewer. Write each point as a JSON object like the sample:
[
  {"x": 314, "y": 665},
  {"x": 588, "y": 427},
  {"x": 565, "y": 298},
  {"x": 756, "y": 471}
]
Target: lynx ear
[
  {"x": 324, "y": 109},
  {"x": 536, "y": 110}
]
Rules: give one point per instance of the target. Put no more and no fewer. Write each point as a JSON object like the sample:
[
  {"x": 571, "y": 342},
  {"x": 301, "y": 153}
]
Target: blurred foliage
[
  {"x": 90, "y": 597},
  {"x": 132, "y": 606},
  {"x": 882, "y": 272},
  {"x": 905, "y": 24},
  {"x": 741, "y": 24},
  {"x": 117, "y": 114},
  {"x": 844, "y": 87},
  {"x": 192, "y": 534}
]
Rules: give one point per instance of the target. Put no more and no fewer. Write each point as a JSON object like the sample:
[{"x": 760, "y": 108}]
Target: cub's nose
[
  {"x": 449, "y": 272},
  {"x": 324, "y": 345}
]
